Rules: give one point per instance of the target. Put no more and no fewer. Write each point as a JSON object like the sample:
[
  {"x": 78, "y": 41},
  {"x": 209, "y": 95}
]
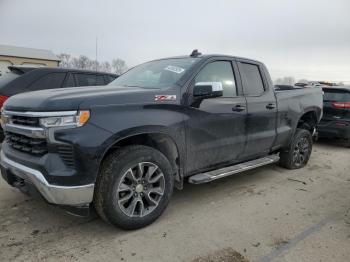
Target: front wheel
[
  {"x": 299, "y": 151},
  {"x": 134, "y": 187}
]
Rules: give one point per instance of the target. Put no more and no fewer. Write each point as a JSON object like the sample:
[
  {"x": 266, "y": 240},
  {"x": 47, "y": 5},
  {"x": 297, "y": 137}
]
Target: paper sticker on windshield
[
  {"x": 165, "y": 98},
  {"x": 174, "y": 69}
]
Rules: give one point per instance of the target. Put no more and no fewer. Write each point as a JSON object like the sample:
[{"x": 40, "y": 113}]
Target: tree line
[{"x": 117, "y": 66}]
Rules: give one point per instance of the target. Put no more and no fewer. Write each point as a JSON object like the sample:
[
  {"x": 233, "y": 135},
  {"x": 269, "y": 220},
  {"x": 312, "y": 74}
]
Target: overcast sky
[{"x": 300, "y": 38}]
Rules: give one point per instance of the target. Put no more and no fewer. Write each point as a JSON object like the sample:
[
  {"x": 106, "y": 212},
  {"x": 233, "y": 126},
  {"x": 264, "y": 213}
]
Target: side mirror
[{"x": 208, "y": 89}]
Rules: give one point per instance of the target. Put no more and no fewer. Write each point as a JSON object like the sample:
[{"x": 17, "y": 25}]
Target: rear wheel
[
  {"x": 134, "y": 187},
  {"x": 299, "y": 151}
]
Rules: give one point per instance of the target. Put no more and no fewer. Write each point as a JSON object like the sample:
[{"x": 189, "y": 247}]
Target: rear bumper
[
  {"x": 59, "y": 195},
  {"x": 334, "y": 129}
]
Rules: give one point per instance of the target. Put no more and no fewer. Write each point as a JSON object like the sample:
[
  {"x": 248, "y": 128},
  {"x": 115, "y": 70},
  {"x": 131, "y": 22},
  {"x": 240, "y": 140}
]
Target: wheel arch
[
  {"x": 160, "y": 140},
  {"x": 308, "y": 120}
]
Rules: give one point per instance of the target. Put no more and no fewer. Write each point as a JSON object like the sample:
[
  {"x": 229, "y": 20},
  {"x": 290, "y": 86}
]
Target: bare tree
[
  {"x": 305, "y": 81},
  {"x": 64, "y": 60},
  {"x": 105, "y": 67},
  {"x": 82, "y": 62},
  {"x": 119, "y": 66},
  {"x": 93, "y": 65},
  {"x": 287, "y": 80}
]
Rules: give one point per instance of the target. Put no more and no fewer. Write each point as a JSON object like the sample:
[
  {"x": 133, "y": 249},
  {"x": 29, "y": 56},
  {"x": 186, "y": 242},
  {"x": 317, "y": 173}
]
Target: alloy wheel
[
  {"x": 140, "y": 190},
  {"x": 301, "y": 151}
]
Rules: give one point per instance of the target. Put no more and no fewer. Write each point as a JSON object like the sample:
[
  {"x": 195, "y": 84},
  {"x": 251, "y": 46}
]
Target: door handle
[
  {"x": 270, "y": 106},
  {"x": 238, "y": 108}
]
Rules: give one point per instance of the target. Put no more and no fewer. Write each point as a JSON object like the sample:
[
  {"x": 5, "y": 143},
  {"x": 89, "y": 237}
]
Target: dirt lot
[{"x": 269, "y": 214}]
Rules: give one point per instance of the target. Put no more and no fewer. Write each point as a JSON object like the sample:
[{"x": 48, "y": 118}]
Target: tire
[
  {"x": 299, "y": 151},
  {"x": 121, "y": 195}
]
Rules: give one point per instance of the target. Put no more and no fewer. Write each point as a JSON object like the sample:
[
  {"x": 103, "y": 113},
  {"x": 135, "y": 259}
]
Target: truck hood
[{"x": 65, "y": 99}]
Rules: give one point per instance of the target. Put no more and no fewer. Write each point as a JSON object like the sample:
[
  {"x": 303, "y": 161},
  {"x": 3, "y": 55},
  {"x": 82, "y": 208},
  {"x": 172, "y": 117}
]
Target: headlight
[{"x": 66, "y": 121}]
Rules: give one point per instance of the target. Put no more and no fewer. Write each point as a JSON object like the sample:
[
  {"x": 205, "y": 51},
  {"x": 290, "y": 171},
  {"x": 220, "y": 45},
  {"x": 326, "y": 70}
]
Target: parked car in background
[
  {"x": 335, "y": 122},
  {"x": 286, "y": 87},
  {"x": 24, "y": 79},
  {"x": 301, "y": 84},
  {"x": 310, "y": 84},
  {"x": 314, "y": 83},
  {"x": 123, "y": 147}
]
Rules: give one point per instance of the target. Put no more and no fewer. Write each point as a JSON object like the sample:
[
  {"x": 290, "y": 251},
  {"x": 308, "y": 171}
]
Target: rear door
[
  {"x": 261, "y": 109},
  {"x": 336, "y": 104}
]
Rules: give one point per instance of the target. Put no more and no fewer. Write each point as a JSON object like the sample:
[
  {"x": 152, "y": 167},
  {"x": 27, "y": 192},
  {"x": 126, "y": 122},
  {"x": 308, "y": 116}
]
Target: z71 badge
[{"x": 165, "y": 98}]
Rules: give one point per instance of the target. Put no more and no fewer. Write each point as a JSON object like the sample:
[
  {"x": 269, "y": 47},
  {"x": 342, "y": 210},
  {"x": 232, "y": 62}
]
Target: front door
[{"x": 215, "y": 128}]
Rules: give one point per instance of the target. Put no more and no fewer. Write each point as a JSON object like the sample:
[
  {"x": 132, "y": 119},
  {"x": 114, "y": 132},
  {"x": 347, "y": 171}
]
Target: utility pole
[{"x": 96, "y": 55}]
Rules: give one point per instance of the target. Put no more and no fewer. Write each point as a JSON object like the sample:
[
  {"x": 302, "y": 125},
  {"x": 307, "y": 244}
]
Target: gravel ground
[{"x": 268, "y": 214}]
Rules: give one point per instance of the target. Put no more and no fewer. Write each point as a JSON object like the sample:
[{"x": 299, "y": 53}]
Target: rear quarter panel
[{"x": 292, "y": 104}]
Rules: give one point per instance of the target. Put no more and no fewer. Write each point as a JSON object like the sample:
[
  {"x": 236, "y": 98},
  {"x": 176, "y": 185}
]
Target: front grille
[
  {"x": 34, "y": 146},
  {"x": 67, "y": 155},
  {"x": 25, "y": 121},
  {"x": 36, "y": 142}
]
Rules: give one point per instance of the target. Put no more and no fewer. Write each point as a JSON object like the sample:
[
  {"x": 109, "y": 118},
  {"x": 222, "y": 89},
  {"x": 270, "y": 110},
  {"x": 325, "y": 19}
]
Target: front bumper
[{"x": 59, "y": 195}]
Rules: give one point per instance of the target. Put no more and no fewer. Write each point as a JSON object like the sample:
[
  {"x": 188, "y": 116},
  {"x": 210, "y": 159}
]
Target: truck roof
[{"x": 207, "y": 56}]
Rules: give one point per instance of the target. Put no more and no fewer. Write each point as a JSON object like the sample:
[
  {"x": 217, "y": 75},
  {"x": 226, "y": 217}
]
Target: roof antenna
[{"x": 195, "y": 53}]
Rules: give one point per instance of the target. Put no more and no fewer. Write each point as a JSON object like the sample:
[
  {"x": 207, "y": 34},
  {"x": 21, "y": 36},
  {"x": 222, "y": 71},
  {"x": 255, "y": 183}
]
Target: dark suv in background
[
  {"x": 24, "y": 79},
  {"x": 336, "y": 114}
]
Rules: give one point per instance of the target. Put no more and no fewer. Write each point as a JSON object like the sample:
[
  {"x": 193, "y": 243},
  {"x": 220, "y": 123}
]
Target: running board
[{"x": 227, "y": 171}]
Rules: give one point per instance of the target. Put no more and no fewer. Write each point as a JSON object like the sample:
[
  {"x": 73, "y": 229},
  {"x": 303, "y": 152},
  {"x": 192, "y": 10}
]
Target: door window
[
  {"x": 109, "y": 78},
  {"x": 49, "y": 81},
  {"x": 220, "y": 71},
  {"x": 69, "y": 81},
  {"x": 254, "y": 83},
  {"x": 100, "y": 81},
  {"x": 85, "y": 79}
]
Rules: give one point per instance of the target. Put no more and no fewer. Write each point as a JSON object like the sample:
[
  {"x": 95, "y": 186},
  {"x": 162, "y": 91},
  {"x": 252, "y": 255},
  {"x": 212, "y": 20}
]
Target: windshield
[{"x": 156, "y": 74}]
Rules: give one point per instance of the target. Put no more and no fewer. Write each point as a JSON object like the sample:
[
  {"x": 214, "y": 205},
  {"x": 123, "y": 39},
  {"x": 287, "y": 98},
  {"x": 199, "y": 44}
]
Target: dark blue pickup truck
[{"x": 122, "y": 148}]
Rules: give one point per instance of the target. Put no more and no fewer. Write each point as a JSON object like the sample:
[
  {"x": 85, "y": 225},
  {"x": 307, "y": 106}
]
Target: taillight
[
  {"x": 2, "y": 100},
  {"x": 341, "y": 104}
]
